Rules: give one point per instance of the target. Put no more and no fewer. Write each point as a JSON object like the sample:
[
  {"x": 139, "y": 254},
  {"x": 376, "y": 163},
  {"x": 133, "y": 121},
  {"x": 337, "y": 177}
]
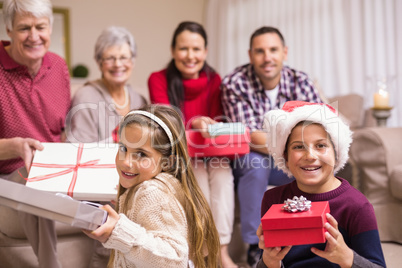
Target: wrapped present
[
  {"x": 227, "y": 139},
  {"x": 83, "y": 171},
  {"x": 226, "y": 129},
  {"x": 51, "y": 206},
  {"x": 286, "y": 225}
]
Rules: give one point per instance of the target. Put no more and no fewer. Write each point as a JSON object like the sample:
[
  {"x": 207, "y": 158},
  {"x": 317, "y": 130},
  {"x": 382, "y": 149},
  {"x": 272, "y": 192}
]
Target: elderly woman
[
  {"x": 34, "y": 102},
  {"x": 99, "y": 105}
]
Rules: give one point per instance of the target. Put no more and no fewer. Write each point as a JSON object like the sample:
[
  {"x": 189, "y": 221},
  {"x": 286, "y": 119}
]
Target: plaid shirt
[{"x": 244, "y": 99}]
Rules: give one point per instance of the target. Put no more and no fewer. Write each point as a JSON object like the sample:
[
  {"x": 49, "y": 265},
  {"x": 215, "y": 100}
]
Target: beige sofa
[
  {"x": 73, "y": 246},
  {"x": 377, "y": 156}
]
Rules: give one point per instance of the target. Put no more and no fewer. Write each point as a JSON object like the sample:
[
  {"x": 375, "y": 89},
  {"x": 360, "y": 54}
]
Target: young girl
[
  {"x": 310, "y": 142},
  {"x": 190, "y": 84},
  {"x": 162, "y": 218}
]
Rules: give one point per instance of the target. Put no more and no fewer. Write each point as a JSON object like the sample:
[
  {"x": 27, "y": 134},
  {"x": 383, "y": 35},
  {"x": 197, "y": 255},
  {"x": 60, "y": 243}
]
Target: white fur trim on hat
[{"x": 279, "y": 124}]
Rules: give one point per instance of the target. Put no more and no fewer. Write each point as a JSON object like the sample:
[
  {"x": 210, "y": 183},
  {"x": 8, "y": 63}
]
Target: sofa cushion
[
  {"x": 10, "y": 223},
  {"x": 351, "y": 109},
  {"x": 395, "y": 182}
]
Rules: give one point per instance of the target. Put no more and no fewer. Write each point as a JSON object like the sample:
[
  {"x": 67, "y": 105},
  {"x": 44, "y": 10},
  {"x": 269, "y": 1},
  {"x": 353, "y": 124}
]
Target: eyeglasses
[{"x": 113, "y": 60}]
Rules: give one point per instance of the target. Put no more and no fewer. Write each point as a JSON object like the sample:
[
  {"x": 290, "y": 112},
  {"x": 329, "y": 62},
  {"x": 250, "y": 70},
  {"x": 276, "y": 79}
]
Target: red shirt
[
  {"x": 202, "y": 96},
  {"x": 32, "y": 107}
]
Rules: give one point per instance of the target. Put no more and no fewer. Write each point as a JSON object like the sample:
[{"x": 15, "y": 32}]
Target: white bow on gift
[{"x": 297, "y": 204}]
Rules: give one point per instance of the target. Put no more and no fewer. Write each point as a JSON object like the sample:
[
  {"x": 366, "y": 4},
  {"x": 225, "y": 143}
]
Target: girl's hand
[
  {"x": 336, "y": 250},
  {"x": 103, "y": 233},
  {"x": 201, "y": 124},
  {"x": 271, "y": 257}
]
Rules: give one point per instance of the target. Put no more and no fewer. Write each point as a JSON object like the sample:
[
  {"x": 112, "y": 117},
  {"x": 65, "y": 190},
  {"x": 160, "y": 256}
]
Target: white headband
[{"x": 157, "y": 120}]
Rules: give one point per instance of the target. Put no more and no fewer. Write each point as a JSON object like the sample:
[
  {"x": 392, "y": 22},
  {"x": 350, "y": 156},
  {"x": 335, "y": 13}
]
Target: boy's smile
[{"x": 311, "y": 159}]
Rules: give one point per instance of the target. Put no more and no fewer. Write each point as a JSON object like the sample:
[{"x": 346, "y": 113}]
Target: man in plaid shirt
[{"x": 248, "y": 93}]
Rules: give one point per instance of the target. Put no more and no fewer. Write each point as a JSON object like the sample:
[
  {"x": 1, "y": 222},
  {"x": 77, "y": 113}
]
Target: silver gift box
[{"x": 54, "y": 207}]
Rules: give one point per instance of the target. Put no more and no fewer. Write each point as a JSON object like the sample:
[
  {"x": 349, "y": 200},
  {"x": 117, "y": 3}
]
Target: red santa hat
[{"x": 279, "y": 125}]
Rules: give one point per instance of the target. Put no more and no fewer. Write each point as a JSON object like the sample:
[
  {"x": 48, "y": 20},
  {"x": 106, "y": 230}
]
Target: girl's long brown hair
[{"x": 203, "y": 239}]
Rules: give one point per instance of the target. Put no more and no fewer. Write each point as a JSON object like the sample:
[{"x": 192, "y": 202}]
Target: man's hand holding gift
[{"x": 19, "y": 147}]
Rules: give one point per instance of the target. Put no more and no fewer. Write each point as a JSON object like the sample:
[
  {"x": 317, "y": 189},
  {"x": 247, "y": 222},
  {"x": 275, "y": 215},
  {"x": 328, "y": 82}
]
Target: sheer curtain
[{"x": 346, "y": 45}]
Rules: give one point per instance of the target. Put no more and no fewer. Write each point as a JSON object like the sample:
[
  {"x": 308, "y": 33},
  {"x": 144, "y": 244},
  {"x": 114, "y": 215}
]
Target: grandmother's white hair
[{"x": 112, "y": 36}]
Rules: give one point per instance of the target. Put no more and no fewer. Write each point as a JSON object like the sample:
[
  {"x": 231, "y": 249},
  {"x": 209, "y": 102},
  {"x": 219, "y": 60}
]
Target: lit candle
[{"x": 381, "y": 99}]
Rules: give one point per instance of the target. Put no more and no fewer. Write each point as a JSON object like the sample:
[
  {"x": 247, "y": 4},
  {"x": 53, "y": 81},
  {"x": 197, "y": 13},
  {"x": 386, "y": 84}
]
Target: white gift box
[
  {"x": 51, "y": 206},
  {"x": 84, "y": 171}
]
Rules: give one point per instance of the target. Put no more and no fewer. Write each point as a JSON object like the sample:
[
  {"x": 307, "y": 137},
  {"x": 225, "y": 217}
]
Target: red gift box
[
  {"x": 283, "y": 228},
  {"x": 230, "y": 145}
]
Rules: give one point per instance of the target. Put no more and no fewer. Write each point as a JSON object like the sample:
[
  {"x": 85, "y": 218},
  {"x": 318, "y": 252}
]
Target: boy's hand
[
  {"x": 336, "y": 250},
  {"x": 103, "y": 233},
  {"x": 271, "y": 257}
]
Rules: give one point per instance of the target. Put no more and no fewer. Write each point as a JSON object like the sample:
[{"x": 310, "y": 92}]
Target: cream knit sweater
[{"x": 154, "y": 231}]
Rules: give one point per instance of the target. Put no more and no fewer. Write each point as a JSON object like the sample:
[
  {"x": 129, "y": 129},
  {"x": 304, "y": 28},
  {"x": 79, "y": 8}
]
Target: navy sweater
[{"x": 356, "y": 222}]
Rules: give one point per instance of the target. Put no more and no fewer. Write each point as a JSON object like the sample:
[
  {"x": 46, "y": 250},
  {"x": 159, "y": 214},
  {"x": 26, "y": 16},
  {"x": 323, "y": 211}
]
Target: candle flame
[{"x": 382, "y": 92}]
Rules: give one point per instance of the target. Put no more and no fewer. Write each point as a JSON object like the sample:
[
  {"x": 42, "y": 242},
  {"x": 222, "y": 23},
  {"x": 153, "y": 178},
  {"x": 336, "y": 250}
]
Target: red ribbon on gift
[{"x": 70, "y": 168}]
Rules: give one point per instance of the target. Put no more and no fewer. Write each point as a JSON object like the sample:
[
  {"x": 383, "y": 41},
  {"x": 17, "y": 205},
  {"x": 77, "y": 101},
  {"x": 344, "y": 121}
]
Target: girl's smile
[
  {"x": 136, "y": 160},
  {"x": 128, "y": 175}
]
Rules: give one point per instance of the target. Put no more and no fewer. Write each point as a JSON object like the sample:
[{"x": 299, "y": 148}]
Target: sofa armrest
[
  {"x": 10, "y": 223},
  {"x": 395, "y": 182},
  {"x": 376, "y": 151}
]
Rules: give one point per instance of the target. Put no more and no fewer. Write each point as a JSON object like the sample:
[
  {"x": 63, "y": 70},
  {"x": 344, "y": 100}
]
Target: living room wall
[{"x": 152, "y": 23}]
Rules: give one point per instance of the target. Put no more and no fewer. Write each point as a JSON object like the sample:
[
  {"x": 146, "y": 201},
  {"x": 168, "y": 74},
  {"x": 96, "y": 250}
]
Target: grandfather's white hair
[{"x": 37, "y": 8}]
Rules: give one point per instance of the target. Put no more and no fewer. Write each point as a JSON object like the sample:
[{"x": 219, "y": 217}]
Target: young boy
[{"x": 310, "y": 142}]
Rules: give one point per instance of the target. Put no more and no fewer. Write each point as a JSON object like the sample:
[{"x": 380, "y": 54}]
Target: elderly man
[
  {"x": 248, "y": 93},
  {"x": 34, "y": 101}
]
